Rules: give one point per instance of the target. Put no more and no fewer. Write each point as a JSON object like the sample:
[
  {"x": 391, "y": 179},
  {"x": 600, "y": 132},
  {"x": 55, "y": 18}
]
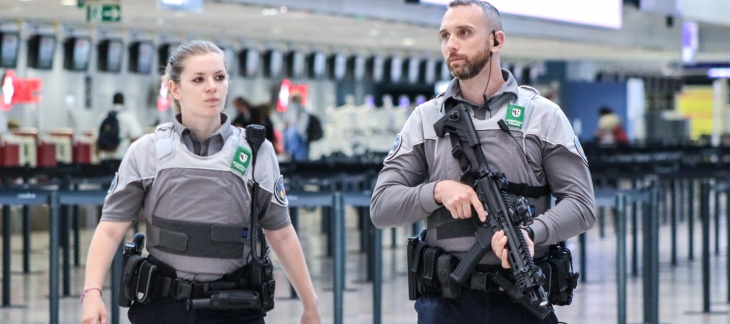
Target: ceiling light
[
  {"x": 408, "y": 42},
  {"x": 68, "y": 2},
  {"x": 723, "y": 73}
]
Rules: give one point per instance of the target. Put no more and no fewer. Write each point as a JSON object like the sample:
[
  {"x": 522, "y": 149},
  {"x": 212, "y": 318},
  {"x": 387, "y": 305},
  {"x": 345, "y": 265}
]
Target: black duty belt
[{"x": 178, "y": 289}]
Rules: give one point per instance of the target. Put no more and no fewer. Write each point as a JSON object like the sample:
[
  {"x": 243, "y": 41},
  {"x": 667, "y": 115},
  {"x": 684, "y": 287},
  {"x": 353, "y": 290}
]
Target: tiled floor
[{"x": 595, "y": 301}]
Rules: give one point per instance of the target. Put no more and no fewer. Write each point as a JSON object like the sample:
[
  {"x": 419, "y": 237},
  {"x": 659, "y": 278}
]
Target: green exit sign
[{"x": 104, "y": 13}]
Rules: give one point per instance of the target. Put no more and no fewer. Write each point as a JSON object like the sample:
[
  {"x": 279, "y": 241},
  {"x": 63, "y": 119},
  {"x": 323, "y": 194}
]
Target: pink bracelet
[{"x": 86, "y": 291}]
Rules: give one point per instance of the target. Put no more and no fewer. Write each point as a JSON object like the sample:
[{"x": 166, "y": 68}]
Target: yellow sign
[{"x": 696, "y": 103}]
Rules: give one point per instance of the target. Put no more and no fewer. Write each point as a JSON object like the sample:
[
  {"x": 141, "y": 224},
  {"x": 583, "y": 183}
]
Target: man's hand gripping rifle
[{"x": 527, "y": 289}]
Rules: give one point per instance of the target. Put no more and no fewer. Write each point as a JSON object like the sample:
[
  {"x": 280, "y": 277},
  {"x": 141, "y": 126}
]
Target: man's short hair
[{"x": 494, "y": 19}]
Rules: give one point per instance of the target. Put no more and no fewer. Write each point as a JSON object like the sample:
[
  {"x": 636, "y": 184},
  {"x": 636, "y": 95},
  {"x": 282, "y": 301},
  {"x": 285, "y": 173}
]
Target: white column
[{"x": 719, "y": 103}]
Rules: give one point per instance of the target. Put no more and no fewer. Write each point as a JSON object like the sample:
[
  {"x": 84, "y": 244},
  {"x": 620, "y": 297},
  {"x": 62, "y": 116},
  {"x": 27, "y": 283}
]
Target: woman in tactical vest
[{"x": 205, "y": 188}]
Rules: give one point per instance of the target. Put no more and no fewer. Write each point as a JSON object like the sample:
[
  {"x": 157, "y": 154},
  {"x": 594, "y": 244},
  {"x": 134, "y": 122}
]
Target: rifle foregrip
[{"x": 467, "y": 264}]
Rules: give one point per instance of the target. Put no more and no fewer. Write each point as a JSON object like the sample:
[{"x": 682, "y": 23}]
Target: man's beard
[{"x": 471, "y": 66}]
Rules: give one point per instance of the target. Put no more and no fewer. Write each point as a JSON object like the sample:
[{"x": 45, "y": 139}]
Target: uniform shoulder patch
[
  {"x": 113, "y": 185},
  {"x": 396, "y": 147},
  {"x": 280, "y": 192}
]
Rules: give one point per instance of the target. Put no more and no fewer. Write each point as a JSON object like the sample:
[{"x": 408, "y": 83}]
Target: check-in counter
[{"x": 10, "y": 151}]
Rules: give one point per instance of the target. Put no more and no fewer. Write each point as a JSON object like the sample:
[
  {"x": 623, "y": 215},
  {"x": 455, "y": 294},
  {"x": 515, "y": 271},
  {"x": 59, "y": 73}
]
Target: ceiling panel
[{"x": 240, "y": 23}]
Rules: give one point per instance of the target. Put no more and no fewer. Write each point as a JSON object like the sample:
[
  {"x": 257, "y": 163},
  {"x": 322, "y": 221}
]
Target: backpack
[
  {"x": 109, "y": 133},
  {"x": 314, "y": 129}
]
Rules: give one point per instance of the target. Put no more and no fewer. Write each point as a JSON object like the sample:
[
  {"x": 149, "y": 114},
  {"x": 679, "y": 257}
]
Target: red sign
[
  {"x": 18, "y": 91},
  {"x": 286, "y": 91}
]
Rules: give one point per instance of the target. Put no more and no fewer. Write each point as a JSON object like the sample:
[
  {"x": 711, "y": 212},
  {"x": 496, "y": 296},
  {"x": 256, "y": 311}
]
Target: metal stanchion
[
  {"x": 53, "y": 281},
  {"x": 705, "y": 218},
  {"x": 309, "y": 199},
  {"x": 727, "y": 230},
  {"x": 705, "y": 199},
  {"x": 621, "y": 256},
  {"x": 116, "y": 274},
  {"x": 716, "y": 212},
  {"x": 377, "y": 275},
  {"x": 676, "y": 209},
  {"x": 6, "y": 255},
  {"x": 650, "y": 274},
  {"x": 26, "y": 239},
  {"x": 10, "y": 198},
  {"x": 66, "y": 244},
  {"x": 338, "y": 221},
  {"x": 635, "y": 235},
  {"x": 77, "y": 239},
  {"x": 690, "y": 220}
]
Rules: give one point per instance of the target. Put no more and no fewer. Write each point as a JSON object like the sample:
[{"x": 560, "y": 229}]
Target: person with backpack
[
  {"x": 117, "y": 130},
  {"x": 213, "y": 201}
]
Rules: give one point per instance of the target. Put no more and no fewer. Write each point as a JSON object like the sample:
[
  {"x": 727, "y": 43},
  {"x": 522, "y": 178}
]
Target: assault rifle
[{"x": 527, "y": 289}]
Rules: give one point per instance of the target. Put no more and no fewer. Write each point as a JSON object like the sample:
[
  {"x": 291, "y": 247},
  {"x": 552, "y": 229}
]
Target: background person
[
  {"x": 243, "y": 108},
  {"x": 296, "y": 120},
  {"x": 130, "y": 129},
  {"x": 610, "y": 132}
]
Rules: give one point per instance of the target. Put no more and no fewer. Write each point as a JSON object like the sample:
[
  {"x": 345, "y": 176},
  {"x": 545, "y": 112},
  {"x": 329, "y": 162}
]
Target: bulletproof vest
[
  {"x": 447, "y": 227},
  {"x": 197, "y": 209}
]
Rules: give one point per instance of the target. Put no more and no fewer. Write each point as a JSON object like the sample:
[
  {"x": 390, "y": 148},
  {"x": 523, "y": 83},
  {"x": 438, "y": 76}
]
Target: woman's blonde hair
[{"x": 176, "y": 64}]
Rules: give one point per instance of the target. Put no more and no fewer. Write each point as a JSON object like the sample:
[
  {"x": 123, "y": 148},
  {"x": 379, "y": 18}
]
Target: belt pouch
[
  {"x": 130, "y": 271},
  {"x": 429, "y": 276},
  {"x": 144, "y": 282},
  {"x": 445, "y": 265}
]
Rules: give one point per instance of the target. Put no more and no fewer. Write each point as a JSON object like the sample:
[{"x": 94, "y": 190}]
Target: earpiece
[{"x": 496, "y": 42}]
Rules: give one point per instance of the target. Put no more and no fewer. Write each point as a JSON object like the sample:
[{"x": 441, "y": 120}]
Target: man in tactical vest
[{"x": 513, "y": 146}]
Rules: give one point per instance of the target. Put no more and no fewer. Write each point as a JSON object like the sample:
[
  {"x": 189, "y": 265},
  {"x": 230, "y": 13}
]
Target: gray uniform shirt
[
  {"x": 196, "y": 185},
  {"x": 542, "y": 151}
]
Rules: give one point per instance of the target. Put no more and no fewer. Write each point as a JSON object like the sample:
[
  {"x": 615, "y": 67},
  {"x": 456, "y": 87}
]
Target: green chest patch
[
  {"x": 515, "y": 116},
  {"x": 241, "y": 159}
]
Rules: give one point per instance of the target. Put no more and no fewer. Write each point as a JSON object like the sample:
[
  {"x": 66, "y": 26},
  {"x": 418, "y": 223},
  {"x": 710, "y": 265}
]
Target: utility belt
[
  {"x": 430, "y": 268},
  {"x": 145, "y": 280}
]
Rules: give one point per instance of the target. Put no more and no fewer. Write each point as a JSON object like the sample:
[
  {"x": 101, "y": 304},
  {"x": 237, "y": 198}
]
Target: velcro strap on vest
[
  {"x": 522, "y": 189},
  {"x": 455, "y": 229},
  {"x": 196, "y": 239}
]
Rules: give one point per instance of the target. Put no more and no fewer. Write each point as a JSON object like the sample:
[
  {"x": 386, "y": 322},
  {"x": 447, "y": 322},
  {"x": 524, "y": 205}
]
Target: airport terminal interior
[{"x": 658, "y": 252}]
